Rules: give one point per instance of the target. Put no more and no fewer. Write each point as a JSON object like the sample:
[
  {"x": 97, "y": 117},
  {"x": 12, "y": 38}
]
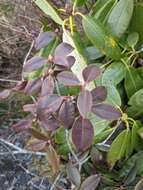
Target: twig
[
  {"x": 55, "y": 182},
  {"x": 19, "y": 150},
  {"x": 9, "y": 80},
  {"x": 27, "y": 55}
]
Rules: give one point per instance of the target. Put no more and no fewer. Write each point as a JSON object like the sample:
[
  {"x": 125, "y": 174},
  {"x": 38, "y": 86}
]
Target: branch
[{"x": 19, "y": 150}]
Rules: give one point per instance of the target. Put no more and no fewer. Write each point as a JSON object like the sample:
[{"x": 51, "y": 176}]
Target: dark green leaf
[
  {"x": 114, "y": 74},
  {"x": 120, "y": 17},
  {"x": 98, "y": 35},
  {"x": 48, "y": 10},
  {"x": 118, "y": 148},
  {"x": 133, "y": 81}
]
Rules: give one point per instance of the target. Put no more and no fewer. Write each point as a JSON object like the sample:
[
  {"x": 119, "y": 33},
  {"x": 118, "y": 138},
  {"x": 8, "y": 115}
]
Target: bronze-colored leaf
[
  {"x": 36, "y": 145},
  {"x": 53, "y": 159},
  {"x": 23, "y": 125}
]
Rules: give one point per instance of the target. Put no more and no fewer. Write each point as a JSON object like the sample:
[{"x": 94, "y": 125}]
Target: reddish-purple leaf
[
  {"x": 99, "y": 94},
  {"x": 82, "y": 134},
  {"x": 91, "y": 183},
  {"x": 30, "y": 108},
  {"x": 44, "y": 39},
  {"x": 4, "y": 94},
  {"x": 66, "y": 62},
  {"x": 34, "y": 63},
  {"x": 20, "y": 86},
  {"x": 48, "y": 122},
  {"x": 51, "y": 102},
  {"x": 67, "y": 114},
  {"x": 23, "y": 125},
  {"x": 84, "y": 103},
  {"x": 68, "y": 78},
  {"x": 33, "y": 86},
  {"x": 61, "y": 56},
  {"x": 91, "y": 72},
  {"x": 63, "y": 50},
  {"x": 106, "y": 111},
  {"x": 47, "y": 86}
]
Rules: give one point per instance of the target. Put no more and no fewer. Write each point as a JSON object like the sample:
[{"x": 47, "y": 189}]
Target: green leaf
[
  {"x": 102, "y": 136},
  {"x": 114, "y": 74},
  {"x": 99, "y": 36},
  {"x": 129, "y": 164},
  {"x": 136, "y": 22},
  {"x": 60, "y": 137},
  {"x": 48, "y": 10},
  {"x": 132, "y": 39},
  {"x": 98, "y": 124},
  {"x": 80, "y": 2},
  {"x": 103, "y": 13},
  {"x": 97, "y": 6},
  {"x": 120, "y": 17},
  {"x": 113, "y": 96},
  {"x": 93, "y": 53},
  {"x": 133, "y": 81},
  {"x": 136, "y": 102},
  {"x": 118, "y": 148},
  {"x": 136, "y": 142}
]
